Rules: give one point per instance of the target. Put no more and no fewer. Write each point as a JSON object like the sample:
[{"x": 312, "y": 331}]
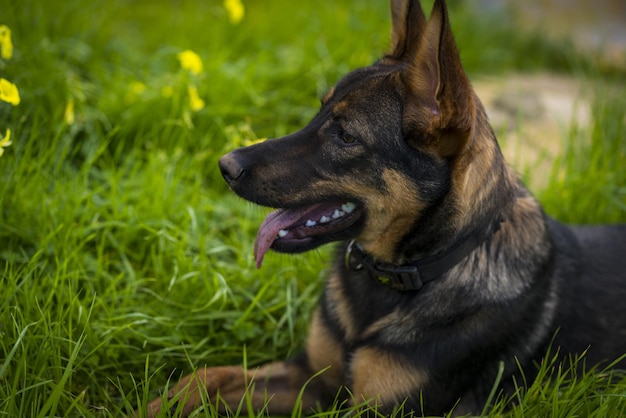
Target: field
[{"x": 124, "y": 259}]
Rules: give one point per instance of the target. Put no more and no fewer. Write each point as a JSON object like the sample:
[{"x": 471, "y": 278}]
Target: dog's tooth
[
  {"x": 282, "y": 233},
  {"x": 338, "y": 214},
  {"x": 348, "y": 207},
  {"x": 324, "y": 219},
  {"x": 310, "y": 223}
]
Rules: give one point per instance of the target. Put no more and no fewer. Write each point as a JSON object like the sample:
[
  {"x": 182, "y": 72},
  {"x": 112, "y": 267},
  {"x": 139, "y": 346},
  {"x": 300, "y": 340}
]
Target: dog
[{"x": 448, "y": 273}]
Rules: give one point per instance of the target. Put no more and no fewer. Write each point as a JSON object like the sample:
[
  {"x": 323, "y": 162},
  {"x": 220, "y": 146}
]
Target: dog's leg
[{"x": 275, "y": 386}]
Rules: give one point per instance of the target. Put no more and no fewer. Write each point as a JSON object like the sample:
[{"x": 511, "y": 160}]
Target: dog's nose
[{"x": 230, "y": 168}]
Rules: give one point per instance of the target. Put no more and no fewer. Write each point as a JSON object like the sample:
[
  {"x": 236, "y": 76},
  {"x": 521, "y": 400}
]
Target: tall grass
[{"x": 124, "y": 260}]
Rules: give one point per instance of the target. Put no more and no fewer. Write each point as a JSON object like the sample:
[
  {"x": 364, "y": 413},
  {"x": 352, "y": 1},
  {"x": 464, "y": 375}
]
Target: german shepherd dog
[{"x": 448, "y": 269}]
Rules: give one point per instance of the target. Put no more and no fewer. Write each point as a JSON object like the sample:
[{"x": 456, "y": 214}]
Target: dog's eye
[
  {"x": 347, "y": 138},
  {"x": 343, "y": 137}
]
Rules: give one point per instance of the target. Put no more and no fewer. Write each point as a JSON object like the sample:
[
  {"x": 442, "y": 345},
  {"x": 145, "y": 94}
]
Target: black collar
[{"x": 413, "y": 275}]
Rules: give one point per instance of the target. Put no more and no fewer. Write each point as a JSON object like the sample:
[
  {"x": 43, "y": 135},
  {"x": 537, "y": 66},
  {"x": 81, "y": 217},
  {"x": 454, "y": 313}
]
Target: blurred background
[
  {"x": 594, "y": 26},
  {"x": 125, "y": 259}
]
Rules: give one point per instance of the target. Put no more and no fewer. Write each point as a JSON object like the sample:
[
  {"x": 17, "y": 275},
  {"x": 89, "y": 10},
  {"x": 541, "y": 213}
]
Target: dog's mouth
[{"x": 302, "y": 229}]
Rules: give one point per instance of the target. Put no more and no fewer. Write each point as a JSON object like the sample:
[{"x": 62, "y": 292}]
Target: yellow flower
[
  {"x": 167, "y": 91},
  {"x": 5, "y": 142},
  {"x": 235, "y": 10},
  {"x": 189, "y": 60},
  {"x": 195, "y": 102},
  {"x": 68, "y": 115},
  {"x": 8, "y": 92},
  {"x": 135, "y": 90},
  {"x": 137, "y": 87},
  {"x": 6, "y": 46}
]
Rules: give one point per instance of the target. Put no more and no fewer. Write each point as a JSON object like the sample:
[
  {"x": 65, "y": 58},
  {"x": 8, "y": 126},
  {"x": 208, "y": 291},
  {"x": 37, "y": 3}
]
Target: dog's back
[{"x": 591, "y": 314}]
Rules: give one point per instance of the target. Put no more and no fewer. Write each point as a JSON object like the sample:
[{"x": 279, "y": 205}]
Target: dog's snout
[{"x": 230, "y": 168}]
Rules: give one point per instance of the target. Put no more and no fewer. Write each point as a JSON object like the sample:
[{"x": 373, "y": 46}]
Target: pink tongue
[{"x": 275, "y": 221}]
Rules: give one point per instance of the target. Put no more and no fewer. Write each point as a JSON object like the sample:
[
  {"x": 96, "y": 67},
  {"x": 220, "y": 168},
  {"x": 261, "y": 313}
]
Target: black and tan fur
[{"x": 408, "y": 142}]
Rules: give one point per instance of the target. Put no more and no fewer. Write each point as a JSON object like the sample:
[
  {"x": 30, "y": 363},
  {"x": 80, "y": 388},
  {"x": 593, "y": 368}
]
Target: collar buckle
[
  {"x": 397, "y": 277},
  {"x": 405, "y": 277}
]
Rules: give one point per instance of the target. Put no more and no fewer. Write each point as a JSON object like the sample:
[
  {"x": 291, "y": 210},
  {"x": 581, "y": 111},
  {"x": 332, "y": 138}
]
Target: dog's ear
[
  {"x": 439, "y": 96},
  {"x": 407, "y": 26}
]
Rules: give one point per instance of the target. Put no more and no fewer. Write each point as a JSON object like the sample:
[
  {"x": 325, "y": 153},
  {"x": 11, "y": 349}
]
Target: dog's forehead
[{"x": 358, "y": 80}]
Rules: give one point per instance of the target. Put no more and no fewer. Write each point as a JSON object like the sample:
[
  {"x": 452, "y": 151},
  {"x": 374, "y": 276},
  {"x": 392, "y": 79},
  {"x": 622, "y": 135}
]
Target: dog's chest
[{"x": 358, "y": 309}]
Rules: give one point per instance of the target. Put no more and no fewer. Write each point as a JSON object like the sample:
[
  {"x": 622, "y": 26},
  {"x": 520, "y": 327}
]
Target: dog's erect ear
[
  {"x": 407, "y": 27},
  {"x": 440, "y": 97}
]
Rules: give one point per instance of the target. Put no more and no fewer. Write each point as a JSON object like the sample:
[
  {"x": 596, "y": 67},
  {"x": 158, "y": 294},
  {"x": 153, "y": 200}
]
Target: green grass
[{"x": 124, "y": 260}]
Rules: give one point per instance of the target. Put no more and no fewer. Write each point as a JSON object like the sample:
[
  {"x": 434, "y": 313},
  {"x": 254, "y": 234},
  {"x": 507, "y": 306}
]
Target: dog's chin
[{"x": 304, "y": 228}]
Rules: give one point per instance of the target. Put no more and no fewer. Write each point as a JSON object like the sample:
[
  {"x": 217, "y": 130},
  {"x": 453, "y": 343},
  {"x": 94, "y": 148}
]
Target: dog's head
[{"x": 388, "y": 145}]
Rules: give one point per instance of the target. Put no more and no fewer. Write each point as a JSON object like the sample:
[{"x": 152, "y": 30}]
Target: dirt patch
[{"x": 532, "y": 114}]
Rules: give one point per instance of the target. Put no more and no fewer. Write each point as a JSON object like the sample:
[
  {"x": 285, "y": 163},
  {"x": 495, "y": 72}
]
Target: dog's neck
[
  {"x": 482, "y": 192},
  {"x": 411, "y": 276}
]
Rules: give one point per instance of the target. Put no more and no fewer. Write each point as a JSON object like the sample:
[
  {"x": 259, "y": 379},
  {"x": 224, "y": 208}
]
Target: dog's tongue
[
  {"x": 275, "y": 221},
  {"x": 268, "y": 231}
]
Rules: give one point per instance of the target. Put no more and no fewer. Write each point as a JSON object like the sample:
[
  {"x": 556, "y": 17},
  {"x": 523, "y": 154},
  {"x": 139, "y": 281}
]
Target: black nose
[{"x": 230, "y": 168}]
